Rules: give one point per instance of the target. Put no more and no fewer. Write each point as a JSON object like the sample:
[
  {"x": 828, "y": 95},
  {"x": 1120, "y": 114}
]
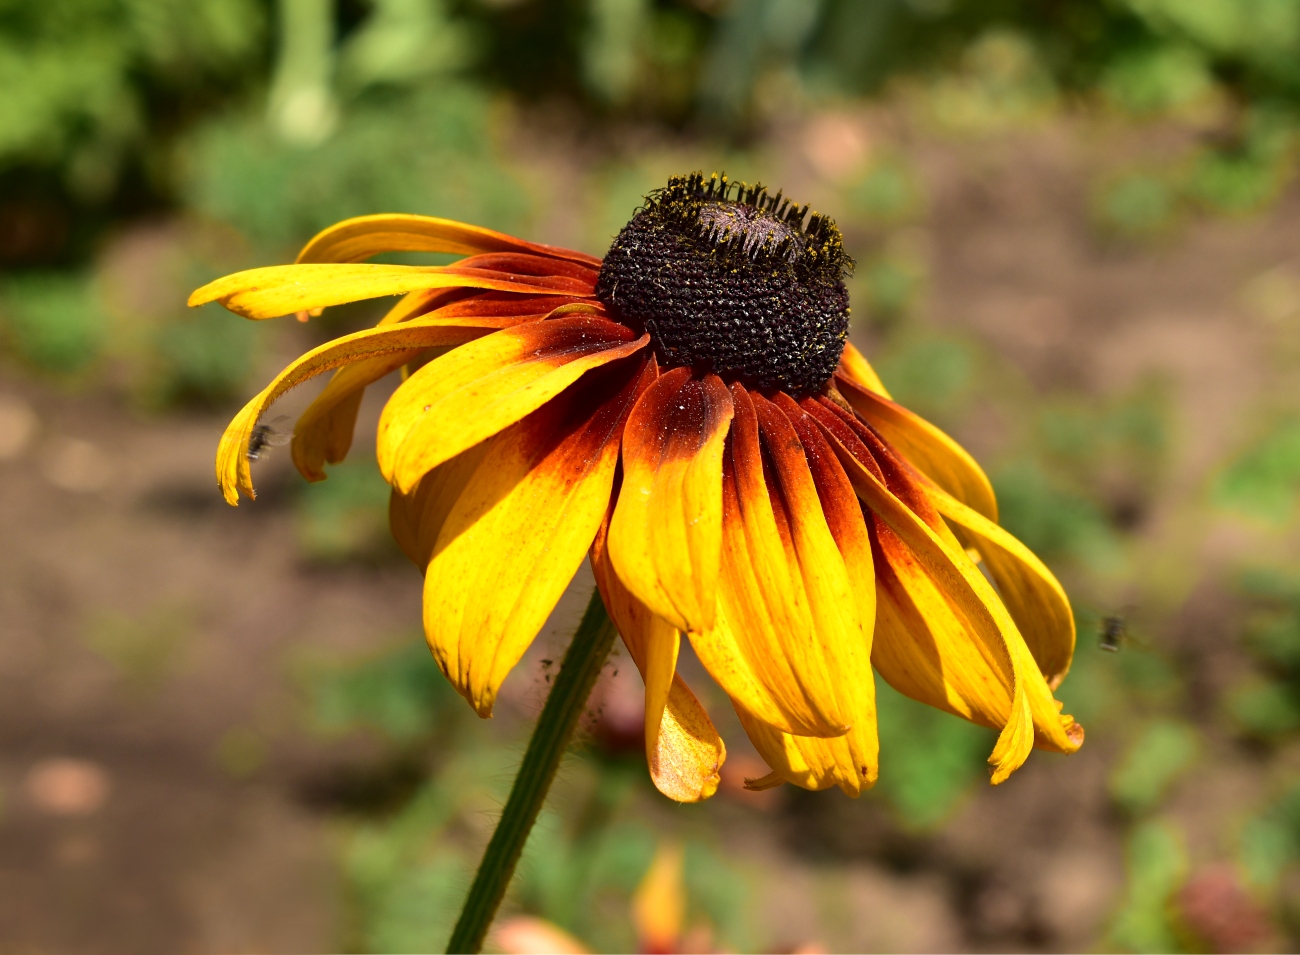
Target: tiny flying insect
[
  {"x": 1112, "y": 633},
  {"x": 266, "y": 436}
]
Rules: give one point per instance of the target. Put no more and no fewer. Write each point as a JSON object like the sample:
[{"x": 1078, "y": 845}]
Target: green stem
[{"x": 568, "y": 698}]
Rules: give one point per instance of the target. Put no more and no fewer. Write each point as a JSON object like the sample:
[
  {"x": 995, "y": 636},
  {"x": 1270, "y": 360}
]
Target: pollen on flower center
[{"x": 729, "y": 279}]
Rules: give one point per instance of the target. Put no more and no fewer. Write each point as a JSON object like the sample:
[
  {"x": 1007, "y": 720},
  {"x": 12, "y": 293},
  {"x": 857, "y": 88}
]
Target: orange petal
[
  {"x": 284, "y": 289},
  {"x": 478, "y": 303},
  {"x": 665, "y": 537},
  {"x": 683, "y": 750},
  {"x": 854, "y": 366},
  {"x": 324, "y": 431},
  {"x": 954, "y": 622},
  {"x": 767, "y": 650},
  {"x": 527, "y": 264},
  {"x": 233, "y": 473},
  {"x": 417, "y": 518},
  {"x": 850, "y": 761},
  {"x": 355, "y": 240},
  {"x": 470, "y": 394},
  {"x": 518, "y": 530},
  {"x": 1033, "y": 595},
  {"x": 659, "y": 903},
  {"x": 927, "y": 448}
]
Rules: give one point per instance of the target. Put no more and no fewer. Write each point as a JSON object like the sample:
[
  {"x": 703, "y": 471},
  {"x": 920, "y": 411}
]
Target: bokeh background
[{"x": 1077, "y": 234}]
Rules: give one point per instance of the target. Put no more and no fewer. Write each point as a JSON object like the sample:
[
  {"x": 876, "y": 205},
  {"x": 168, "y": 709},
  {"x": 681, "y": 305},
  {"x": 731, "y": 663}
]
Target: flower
[{"x": 688, "y": 412}]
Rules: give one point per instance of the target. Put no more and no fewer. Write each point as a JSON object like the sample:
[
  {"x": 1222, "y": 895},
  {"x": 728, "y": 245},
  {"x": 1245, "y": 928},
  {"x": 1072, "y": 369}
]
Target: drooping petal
[
  {"x": 354, "y": 240},
  {"x": 324, "y": 431},
  {"x": 665, "y": 537},
  {"x": 416, "y": 519},
  {"x": 233, "y": 473},
  {"x": 456, "y": 401},
  {"x": 854, "y": 366},
  {"x": 927, "y": 448},
  {"x": 946, "y": 637},
  {"x": 1034, "y": 597},
  {"x": 850, "y": 761},
  {"x": 284, "y": 289},
  {"x": 840, "y": 506},
  {"x": 683, "y": 750},
  {"x": 519, "y": 528},
  {"x": 771, "y": 649}
]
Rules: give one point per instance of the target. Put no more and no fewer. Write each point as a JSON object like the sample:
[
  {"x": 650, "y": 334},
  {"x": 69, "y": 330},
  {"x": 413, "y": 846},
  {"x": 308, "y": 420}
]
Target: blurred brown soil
[{"x": 199, "y": 849}]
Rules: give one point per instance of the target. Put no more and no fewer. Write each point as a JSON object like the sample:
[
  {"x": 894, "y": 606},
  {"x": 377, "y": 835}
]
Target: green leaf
[{"x": 1161, "y": 752}]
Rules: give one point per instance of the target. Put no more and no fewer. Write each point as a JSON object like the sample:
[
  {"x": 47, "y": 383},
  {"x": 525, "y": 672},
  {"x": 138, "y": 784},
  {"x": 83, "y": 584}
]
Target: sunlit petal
[
  {"x": 964, "y": 621},
  {"x": 357, "y": 239},
  {"x": 772, "y": 649},
  {"x": 665, "y": 537},
  {"x": 518, "y": 530},
  {"x": 233, "y": 473},
  {"x": 855, "y": 367},
  {"x": 683, "y": 750},
  {"x": 284, "y": 289},
  {"x": 1031, "y": 592},
  {"x": 927, "y": 448},
  {"x": 456, "y": 401}
]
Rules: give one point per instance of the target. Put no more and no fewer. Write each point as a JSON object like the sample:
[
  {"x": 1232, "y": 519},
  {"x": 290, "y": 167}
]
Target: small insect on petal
[{"x": 273, "y": 435}]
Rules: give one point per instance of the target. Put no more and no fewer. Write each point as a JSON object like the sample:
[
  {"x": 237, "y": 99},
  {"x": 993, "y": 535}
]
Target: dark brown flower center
[{"x": 729, "y": 279}]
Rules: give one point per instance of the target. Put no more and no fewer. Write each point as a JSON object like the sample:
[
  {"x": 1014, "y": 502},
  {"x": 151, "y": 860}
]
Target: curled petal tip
[{"x": 770, "y": 781}]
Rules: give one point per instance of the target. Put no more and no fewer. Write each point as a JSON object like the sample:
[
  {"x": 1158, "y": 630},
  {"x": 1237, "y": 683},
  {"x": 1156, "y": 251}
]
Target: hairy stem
[{"x": 581, "y": 665}]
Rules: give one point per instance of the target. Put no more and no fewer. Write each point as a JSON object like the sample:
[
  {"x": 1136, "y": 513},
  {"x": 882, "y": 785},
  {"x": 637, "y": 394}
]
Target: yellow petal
[
  {"x": 834, "y": 551},
  {"x": 324, "y": 431},
  {"x": 284, "y": 289},
  {"x": 233, "y": 473},
  {"x": 1032, "y": 594},
  {"x": 519, "y": 529},
  {"x": 772, "y": 651},
  {"x": 683, "y": 750},
  {"x": 354, "y": 240},
  {"x": 417, "y": 518},
  {"x": 458, "y": 400},
  {"x": 983, "y": 630},
  {"x": 850, "y": 761},
  {"x": 926, "y": 447},
  {"x": 855, "y": 366},
  {"x": 665, "y": 537}
]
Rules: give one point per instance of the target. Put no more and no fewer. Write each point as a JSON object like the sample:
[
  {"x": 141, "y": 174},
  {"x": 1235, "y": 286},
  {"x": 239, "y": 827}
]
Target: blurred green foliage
[
  {"x": 429, "y": 153},
  {"x": 1266, "y": 705},
  {"x": 928, "y": 373},
  {"x": 1161, "y": 752},
  {"x": 202, "y": 358},
  {"x": 91, "y": 84},
  {"x": 1052, "y": 519},
  {"x": 52, "y": 321},
  {"x": 345, "y": 517},
  {"x": 1264, "y": 480},
  {"x": 407, "y": 870},
  {"x": 380, "y": 103},
  {"x": 399, "y": 693},
  {"x": 1156, "y": 863},
  {"x": 928, "y": 759},
  {"x": 1270, "y": 840}
]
